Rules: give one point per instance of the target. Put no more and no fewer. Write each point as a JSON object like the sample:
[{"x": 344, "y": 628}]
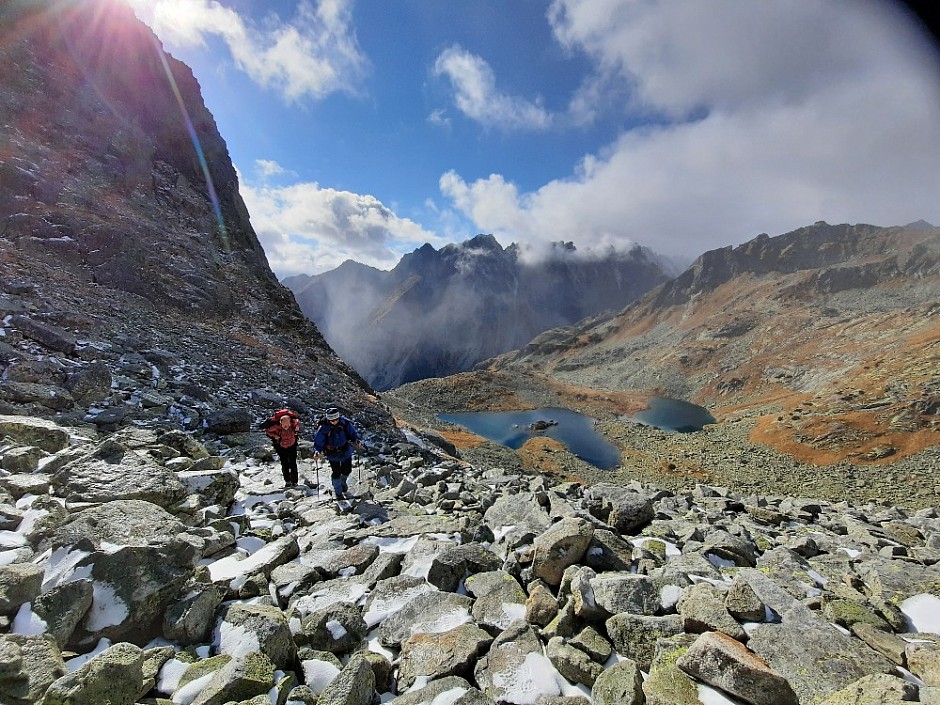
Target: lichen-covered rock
[
  {"x": 19, "y": 583},
  {"x": 115, "y": 677},
  {"x": 621, "y": 684},
  {"x": 35, "y": 662}
]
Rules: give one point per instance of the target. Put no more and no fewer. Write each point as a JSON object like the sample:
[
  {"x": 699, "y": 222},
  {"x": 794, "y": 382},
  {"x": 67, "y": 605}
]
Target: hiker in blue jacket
[{"x": 335, "y": 438}]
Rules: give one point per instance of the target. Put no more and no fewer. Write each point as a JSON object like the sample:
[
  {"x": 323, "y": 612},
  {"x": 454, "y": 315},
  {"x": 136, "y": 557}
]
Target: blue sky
[{"x": 362, "y": 129}]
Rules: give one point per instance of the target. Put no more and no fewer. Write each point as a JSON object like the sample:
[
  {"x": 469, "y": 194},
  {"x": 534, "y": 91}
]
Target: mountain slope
[
  {"x": 122, "y": 226},
  {"x": 440, "y": 312},
  {"x": 828, "y": 336}
]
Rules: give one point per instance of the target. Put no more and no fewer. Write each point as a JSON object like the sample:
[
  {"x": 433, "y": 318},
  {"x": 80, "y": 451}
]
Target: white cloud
[
  {"x": 269, "y": 168},
  {"x": 308, "y": 229},
  {"x": 314, "y": 55},
  {"x": 477, "y": 96},
  {"x": 772, "y": 116}
]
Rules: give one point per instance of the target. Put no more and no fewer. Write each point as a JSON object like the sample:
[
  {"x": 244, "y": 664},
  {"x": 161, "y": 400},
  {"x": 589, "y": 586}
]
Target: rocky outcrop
[{"x": 101, "y": 165}]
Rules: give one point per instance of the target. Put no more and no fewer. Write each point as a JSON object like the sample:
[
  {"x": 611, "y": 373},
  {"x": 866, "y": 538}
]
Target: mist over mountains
[{"x": 439, "y": 312}]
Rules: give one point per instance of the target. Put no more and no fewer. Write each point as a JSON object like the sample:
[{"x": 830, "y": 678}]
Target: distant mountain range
[
  {"x": 439, "y": 312},
  {"x": 827, "y": 336}
]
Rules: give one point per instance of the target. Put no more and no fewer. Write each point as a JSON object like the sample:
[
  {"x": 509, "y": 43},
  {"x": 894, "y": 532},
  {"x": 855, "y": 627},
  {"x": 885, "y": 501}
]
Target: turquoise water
[
  {"x": 674, "y": 415},
  {"x": 510, "y": 428}
]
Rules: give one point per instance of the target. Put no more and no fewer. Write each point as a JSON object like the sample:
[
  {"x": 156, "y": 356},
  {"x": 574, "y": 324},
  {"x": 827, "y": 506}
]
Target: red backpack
[{"x": 274, "y": 420}]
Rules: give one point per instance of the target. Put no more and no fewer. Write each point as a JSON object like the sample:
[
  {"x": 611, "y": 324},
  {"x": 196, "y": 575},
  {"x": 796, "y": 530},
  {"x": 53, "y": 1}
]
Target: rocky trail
[{"x": 141, "y": 568}]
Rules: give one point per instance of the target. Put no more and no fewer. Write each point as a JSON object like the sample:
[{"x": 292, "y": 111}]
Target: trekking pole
[{"x": 316, "y": 465}]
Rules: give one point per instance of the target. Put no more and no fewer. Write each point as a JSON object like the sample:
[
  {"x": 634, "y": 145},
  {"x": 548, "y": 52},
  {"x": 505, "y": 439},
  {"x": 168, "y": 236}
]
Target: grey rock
[
  {"x": 24, "y": 459},
  {"x": 47, "y": 334},
  {"x": 19, "y": 583},
  {"x": 626, "y": 510},
  {"x": 355, "y": 685},
  {"x": 450, "y": 565},
  {"x": 190, "y": 618},
  {"x": 294, "y": 578},
  {"x": 451, "y": 689},
  {"x": 625, "y": 592},
  {"x": 500, "y": 600},
  {"x": 276, "y": 553},
  {"x": 561, "y": 545},
  {"x": 36, "y": 664},
  {"x": 47, "y": 396},
  {"x": 111, "y": 472},
  {"x": 63, "y": 607},
  {"x": 515, "y": 664},
  {"x": 391, "y": 594},
  {"x": 214, "y": 486},
  {"x": 876, "y": 689},
  {"x": 725, "y": 663},
  {"x": 451, "y": 653},
  {"x": 894, "y": 581},
  {"x": 885, "y": 643},
  {"x": 743, "y": 603},
  {"x": 266, "y": 628},
  {"x": 427, "y": 613},
  {"x": 134, "y": 587},
  {"x": 341, "y": 561},
  {"x": 593, "y": 643},
  {"x": 32, "y": 431},
  {"x": 184, "y": 443},
  {"x": 621, "y": 684},
  {"x": 121, "y": 522},
  {"x": 923, "y": 659},
  {"x": 338, "y": 628},
  {"x": 90, "y": 384},
  {"x": 608, "y": 552},
  {"x": 541, "y": 605},
  {"x": 737, "y": 549},
  {"x": 572, "y": 663},
  {"x": 634, "y": 635},
  {"x": 522, "y": 512},
  {"x": 813, "y": 656},
  {"x": 115, "y": 676},
  {"x": 238, "y": 679},
  {"x": 667, "y": 684},
  {"x": 228, "y": 421},
  {"x": 702, "y": 608}
]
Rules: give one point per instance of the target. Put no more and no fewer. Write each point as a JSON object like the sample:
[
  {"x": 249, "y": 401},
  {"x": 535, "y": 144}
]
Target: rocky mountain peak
[
  {"x": 440, "y": 312},
  {"x": 114, "y": 169},
  {"x": 125, "y": 247}
]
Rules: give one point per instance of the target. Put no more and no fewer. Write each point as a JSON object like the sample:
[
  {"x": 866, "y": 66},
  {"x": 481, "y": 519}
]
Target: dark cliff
[
  {"x": 122, "y": 227},
  {"x": 112, "y": 167}
]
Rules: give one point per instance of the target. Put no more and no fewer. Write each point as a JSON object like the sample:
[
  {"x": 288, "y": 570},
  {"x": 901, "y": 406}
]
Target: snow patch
[{"x": 922, "y": 613}]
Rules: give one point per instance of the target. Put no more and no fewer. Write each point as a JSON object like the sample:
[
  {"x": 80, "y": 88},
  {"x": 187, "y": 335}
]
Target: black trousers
[
  {"x": 340, "y": 470},
  {"x": 288, "y": 458}
]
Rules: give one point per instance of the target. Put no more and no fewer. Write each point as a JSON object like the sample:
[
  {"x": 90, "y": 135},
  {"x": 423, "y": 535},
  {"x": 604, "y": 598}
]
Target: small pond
[
  {"x": 512, "y": 429},
  {"x": 673, "y": 415}
]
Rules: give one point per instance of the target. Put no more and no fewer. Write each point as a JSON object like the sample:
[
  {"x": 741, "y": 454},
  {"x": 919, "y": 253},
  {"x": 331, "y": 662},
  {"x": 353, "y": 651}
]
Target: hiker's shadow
[{"x": 371, "y": 512}]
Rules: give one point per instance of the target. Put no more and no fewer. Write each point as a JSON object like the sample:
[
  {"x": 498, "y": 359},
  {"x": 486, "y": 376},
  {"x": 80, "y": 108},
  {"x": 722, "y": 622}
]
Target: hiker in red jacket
[{"x": 284, "y": 433}]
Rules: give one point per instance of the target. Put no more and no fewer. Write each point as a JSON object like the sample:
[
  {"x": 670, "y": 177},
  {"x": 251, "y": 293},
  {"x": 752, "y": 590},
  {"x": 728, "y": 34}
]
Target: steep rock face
[
  {"x": 125, "y": 248},
  {"x": 441, "y": 312},
  {"x": 112, "y": 167}
]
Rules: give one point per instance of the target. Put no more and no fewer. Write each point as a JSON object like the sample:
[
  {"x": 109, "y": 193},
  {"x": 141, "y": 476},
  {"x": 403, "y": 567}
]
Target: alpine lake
[{"x": 576, "y": 431}]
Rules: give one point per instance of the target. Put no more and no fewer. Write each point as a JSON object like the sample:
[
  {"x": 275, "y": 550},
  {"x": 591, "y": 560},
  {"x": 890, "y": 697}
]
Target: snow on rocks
[{"x": 448, "y": 584}]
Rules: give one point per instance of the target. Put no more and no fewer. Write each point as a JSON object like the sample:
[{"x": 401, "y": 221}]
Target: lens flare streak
[{"x": 197, "y": 145}]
